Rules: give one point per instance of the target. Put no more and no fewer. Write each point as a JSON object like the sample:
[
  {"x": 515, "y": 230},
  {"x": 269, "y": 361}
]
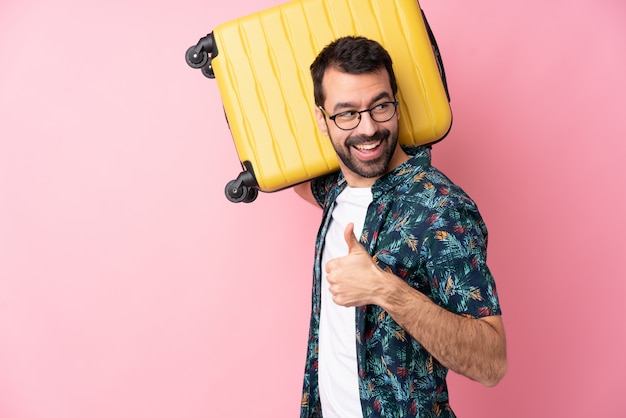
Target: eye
[
  {"x": 381, "y": 107},
  {"x": 348, "y": 115}
]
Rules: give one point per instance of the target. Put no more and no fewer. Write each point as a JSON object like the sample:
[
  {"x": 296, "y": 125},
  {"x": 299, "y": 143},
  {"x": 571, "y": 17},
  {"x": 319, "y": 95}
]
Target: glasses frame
[{"x": 360, "y": 112}]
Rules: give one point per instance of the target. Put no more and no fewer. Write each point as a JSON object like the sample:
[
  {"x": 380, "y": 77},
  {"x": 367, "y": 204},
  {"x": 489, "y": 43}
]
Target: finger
[
  {"x": 353, "y": 243},
  {"x": 329, "y": 266}
]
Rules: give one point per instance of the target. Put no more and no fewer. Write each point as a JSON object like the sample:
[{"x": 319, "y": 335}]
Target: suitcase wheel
[
  {"x": 207, "y": 70},
  {"x": 244, "y": 188},
  {"x": 195, "y": 58},
  {"x": 237, "y": 192},
  {"x": 201, "y": 54}
]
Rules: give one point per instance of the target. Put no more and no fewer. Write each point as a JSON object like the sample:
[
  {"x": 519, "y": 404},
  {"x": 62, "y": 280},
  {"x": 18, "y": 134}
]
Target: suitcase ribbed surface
[{"x": 262, "y": 71}]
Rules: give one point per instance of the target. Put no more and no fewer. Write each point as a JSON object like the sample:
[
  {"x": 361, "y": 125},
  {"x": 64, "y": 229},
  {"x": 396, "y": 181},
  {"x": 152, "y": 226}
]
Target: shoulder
[
  {"x": 426, "y": 202},
  {"x": 326, "y": 187}
]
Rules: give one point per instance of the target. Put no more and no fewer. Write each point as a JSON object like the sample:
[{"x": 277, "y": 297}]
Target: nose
[{"x": 367, "y": 125}]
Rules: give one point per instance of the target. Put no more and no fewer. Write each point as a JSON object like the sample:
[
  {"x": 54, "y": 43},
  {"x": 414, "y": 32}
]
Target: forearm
[{"x": 475, "y": 348}]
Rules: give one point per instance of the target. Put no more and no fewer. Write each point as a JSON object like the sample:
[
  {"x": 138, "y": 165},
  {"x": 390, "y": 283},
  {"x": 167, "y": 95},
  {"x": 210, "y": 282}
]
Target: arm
[
  {"x": 475, "y": 348},
  {"x": 316, "y": 190},
  {"x": 304, "y": 191}
]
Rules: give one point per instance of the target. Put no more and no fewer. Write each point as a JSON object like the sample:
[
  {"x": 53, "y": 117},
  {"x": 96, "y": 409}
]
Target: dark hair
[{"x": 351, "y": 55}]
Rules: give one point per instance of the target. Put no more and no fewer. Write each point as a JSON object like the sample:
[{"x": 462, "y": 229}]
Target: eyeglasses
[{"x": 350, "y": 119}]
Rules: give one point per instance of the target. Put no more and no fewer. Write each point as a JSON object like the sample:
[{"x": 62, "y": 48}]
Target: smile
[{"x": 369, "y": 146}]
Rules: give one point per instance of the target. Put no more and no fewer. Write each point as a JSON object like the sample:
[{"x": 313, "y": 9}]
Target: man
[{"x": 410, "y": 298}]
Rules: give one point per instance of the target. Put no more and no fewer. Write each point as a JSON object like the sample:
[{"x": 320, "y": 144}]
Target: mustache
[{"x": 362, "y": 139}]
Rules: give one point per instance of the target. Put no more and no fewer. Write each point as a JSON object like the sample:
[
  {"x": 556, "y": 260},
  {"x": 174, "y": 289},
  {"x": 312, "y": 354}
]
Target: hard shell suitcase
[{"x": 261, "y": 65}]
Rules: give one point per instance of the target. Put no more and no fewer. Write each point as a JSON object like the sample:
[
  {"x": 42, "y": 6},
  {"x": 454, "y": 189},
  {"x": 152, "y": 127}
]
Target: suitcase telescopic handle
[{"x": 201, "y": 54}]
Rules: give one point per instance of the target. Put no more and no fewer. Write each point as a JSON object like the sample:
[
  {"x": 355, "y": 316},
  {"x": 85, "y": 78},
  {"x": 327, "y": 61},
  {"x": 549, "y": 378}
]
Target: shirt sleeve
[
  {"x": 455, "y": 253},
  {"x": 321, "y": 186}
]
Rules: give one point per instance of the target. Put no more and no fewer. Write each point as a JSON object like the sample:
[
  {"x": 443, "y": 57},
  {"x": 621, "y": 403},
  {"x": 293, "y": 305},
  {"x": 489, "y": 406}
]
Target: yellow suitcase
[{"x": 261, "y": 65}]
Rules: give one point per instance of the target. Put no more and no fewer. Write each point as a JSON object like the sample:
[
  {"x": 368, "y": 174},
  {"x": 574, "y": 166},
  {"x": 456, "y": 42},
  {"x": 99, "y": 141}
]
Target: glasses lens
[
  {"x": 383, "y": 112},
  {"x": 348, "y": 121}
]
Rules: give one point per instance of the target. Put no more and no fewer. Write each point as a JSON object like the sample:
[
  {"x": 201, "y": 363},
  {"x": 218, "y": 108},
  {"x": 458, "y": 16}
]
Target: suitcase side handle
[{"x": 438, "y": 59}]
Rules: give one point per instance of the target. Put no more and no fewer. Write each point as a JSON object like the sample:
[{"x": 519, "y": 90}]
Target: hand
[{"x": 355, "y": 278}]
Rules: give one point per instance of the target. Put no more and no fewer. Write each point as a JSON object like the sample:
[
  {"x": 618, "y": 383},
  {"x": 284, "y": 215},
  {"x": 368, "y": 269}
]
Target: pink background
[{"x": 130, "y": 287}]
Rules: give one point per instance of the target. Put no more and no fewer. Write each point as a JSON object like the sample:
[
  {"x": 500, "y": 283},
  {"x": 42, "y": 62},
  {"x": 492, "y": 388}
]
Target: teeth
[{"x": 367, "y": 147}]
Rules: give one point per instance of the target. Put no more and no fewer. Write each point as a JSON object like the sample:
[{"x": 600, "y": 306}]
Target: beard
[{"x": 368, "y": 168}]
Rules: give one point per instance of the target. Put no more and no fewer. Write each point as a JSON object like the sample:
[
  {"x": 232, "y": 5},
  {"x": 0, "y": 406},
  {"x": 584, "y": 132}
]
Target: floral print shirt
[{"x": 426, "y": 230}]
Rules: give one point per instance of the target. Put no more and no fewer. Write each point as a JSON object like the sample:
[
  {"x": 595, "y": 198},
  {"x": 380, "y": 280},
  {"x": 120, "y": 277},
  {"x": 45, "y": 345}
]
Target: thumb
[{"x": 354, "y": 245}]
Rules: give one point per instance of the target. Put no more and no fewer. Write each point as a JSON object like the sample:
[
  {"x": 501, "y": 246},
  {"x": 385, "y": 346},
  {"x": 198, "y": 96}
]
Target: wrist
[{"x": 392, "y": 293}]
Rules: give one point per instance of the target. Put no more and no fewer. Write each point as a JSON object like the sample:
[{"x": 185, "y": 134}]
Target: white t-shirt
[{"x": 338, "y": 375}]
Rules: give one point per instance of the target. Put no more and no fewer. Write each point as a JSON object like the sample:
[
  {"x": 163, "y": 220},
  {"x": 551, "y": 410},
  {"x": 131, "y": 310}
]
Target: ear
[{"x": 321, "y": 121}]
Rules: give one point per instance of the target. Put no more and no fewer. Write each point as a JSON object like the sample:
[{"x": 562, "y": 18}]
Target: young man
[{"x": 410, "y": 298}]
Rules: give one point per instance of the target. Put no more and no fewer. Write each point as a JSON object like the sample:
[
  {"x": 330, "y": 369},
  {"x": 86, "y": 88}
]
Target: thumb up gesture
[{"x": 354, "y": 279}]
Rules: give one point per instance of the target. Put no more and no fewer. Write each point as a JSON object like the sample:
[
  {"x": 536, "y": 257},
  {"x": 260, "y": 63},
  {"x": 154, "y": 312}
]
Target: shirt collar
[{"x": 420, "y": 157}]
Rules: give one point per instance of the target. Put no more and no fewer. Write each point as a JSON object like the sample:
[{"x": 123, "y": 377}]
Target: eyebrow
[{"x": 347, "y": 105}]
